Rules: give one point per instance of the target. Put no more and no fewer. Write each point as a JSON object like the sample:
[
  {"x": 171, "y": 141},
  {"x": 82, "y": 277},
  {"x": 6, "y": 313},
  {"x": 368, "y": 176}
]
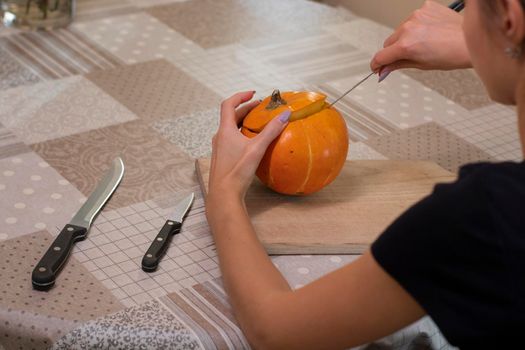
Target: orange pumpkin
[{"x": 311, "y": 150}]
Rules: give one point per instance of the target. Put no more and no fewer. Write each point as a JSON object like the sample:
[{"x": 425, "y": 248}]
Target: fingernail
[
  {"x": 285, "y": 116},
  {"x": 383, "y": 74}
]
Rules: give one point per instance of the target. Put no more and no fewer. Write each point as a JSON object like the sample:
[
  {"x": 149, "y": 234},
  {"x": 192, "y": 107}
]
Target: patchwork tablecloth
[{"x": 142, "y": 79}]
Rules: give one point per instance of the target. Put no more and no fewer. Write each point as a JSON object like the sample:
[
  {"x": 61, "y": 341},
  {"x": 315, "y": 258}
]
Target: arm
[
  {"x": 356, "y": 304},
  {"x": 431, "y": 38}
]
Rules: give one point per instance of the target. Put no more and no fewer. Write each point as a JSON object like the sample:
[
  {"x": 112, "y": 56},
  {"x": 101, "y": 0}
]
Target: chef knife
[
  {"x": 47, "y": 269},
  {"x": 158, "y": 247}
]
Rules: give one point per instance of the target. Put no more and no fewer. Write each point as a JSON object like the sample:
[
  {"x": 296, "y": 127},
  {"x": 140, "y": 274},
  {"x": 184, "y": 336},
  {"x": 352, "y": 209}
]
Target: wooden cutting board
[{"x": 346, "y": 216}]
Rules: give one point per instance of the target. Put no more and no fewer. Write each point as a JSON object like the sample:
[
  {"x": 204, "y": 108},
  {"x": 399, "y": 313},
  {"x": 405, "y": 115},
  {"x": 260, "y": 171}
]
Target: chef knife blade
[
  {"x": 46, "y": 271},
  {"x": 158, "y": 247}
]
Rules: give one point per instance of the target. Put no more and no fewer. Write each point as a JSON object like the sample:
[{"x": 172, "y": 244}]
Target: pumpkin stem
[{"x": 276, "y": 101}]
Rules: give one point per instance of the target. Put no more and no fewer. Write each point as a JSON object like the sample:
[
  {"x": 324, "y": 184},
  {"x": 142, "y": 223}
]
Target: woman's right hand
[{"x": 431, "y": 38}]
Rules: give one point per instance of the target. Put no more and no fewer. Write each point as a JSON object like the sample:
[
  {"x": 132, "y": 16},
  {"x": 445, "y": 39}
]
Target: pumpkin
[{"x": 310, "y": 152}]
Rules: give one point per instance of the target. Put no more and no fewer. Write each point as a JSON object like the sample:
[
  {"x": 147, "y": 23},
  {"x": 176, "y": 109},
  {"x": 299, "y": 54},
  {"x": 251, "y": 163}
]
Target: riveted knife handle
[
  {"x": 47, "y": 269},
  {"x": 156, "y": 250}
]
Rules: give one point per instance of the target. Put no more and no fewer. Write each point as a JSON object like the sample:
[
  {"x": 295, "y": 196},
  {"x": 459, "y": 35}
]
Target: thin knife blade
[
  {"x": 172, "y": 227},
  {"x": 105, "y": 188},
  {"x": 352, "y": 89},
  {"x": 182, "y": 208}
]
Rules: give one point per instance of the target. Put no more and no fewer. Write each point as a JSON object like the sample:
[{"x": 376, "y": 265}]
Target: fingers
[
  {"x": 392, "y": 39},
  {"x": 388, "y": 56},
  {"x": 260, "y": 143},
  {"x": 272, "y": 130},
  {"x": 241, "y": 112},
  {"x": 213, "y": 157},
  {"x": 402, "y": 64},
  {"x": 385, "y": 71},
  {"x": 228, "y": 106}
]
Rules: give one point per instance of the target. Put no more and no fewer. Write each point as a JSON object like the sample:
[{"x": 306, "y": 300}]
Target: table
[{"x": 143, "y": 79}]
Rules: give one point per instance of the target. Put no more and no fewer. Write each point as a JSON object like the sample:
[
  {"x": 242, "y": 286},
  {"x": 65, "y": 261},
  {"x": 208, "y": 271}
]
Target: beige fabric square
[
  {"x": 154, "y": 166},
  {"x": 77, "y": 295},
  {"x": 20, "y": 329},
  {"x": 13, "y": 73},
  {"x": 10, "y": 145},
  {"x": 155, "y": 90},
  {"x": 461, "y": 86},
  {"x": 57, "y": 108},
  {"x": 429, "y": 142},
  {"x": 212, "y": 23}
]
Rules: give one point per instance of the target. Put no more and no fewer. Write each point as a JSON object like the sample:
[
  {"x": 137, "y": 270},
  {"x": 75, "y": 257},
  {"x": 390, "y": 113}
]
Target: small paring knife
[
  {"x": 158, "y": 247},
  {"x": 46, "y": 271},
  {"x": 352, "y": 88}
]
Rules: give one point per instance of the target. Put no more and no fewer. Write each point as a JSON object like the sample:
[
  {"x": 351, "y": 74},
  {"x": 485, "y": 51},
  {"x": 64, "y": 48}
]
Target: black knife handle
[
  {"x": 156, "y": 250},
  {"x": 457, "y": 6},
  {"x": 47, "y": 269}
]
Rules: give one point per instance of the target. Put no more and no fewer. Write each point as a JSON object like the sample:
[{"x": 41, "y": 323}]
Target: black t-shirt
[{"x": 460, "y": 253}]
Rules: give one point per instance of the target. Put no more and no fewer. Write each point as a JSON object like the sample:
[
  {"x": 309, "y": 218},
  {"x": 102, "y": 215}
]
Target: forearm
[
  {"x": 249, "y": 275},
  {"x": 354, "y": 298}
]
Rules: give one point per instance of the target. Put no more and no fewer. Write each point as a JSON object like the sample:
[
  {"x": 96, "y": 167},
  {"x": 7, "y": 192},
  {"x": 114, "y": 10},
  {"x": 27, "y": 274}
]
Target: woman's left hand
[
  {"x": 235, "y": 157},
  {"x": 271, "y": 315}
]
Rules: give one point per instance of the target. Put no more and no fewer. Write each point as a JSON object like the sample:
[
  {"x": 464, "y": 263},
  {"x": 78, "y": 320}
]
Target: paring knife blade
[
  {"x": 158, "y": 247},
  {"x": 46, "y": 271},
  {"x": 352, "y": 88}
]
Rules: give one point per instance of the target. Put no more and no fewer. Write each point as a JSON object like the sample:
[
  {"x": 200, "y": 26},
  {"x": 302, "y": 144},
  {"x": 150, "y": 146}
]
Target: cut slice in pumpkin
[
  {"x": 301, "y": 104},
  {"x": 308, "y": 110},
  {"x": 248, "y": 133}
]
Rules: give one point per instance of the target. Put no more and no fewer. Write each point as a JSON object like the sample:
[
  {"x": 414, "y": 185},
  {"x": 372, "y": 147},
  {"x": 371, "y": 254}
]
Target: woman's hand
[
  {"x": 235, "y": 157},
  {"x": 431, "y": 38},
  {"x": 271, "y": 315}
]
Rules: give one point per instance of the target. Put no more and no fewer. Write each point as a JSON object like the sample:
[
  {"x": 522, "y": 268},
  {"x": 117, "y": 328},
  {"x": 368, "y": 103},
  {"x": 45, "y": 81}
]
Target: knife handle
[
  {"x": 47, "y": 269},
  {"x": 156, "y": 250}
]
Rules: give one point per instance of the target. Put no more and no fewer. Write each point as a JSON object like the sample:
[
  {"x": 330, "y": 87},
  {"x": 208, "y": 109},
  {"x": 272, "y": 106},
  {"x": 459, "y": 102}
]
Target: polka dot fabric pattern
[
  {"x": 34, "y": 196},
  {"x": 462, "y": 87},
  {"x": 155, "y": 90},
  {"x": 137, "y": 37},
  {"x": 429, "y": 142},
  {"x": 143, "y": 80},
  {"x": 76, "y": 297}
]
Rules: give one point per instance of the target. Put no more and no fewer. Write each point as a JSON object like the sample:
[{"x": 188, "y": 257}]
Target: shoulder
[
  {"x": 459, "y": 251},
  {"x": 504, "y": 172},
  {"x": 502, "y": 182},
  {"x": 477, "y": 188},
  {"x": 484, "y": 197},
  {"x": 494, "y": 189}
]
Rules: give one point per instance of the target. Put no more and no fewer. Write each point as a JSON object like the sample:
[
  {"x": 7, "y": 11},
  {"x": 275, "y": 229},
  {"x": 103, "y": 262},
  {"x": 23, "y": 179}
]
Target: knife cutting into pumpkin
[{"x": 311, "y": 150}]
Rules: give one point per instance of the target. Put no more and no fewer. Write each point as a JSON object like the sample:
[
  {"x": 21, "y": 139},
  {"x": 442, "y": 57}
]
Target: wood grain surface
[{"x": 346, "y": 216}]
